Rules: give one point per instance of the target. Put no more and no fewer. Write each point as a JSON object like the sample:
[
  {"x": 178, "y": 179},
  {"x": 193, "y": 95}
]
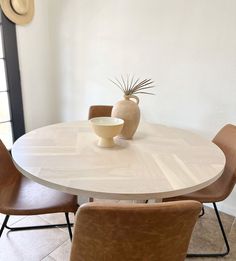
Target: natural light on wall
[{"x": 5, "y": 119}]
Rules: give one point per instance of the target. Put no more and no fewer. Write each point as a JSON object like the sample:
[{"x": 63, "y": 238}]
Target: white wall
[
  {"x": 36, "y": 65},
  {"x": 72, "y": 47}
]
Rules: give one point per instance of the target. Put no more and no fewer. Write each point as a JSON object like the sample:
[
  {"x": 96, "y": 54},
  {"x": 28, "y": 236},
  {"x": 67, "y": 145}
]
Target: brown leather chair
[
  {"x": 21, "y": 196},
  {"x": 105, "y": 232},
  {"x": 99, "y": 111},
  {"x": 220, "y": 189}
]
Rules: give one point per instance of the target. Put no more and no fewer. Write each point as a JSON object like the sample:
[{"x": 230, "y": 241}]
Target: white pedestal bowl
[{"x": 106, "y": 129}]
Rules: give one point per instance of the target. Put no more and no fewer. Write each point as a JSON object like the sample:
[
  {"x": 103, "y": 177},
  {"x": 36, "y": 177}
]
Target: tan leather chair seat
[
  {"x": 25, "y": 197},
  {"x": 220, "y": 189},
  {"x": 21, "y": 196}
]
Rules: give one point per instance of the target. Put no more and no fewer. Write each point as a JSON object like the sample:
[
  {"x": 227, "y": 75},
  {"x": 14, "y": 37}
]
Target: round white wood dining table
[{"x": 159, "y": 162}]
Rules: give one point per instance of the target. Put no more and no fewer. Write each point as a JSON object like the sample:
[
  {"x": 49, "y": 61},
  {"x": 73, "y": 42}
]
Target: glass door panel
[
  {"x": 3, "y": 82},
  {"x": 10, "y": 92},
  {"x": 6, "y": 134},
  {"x": 4, "y": 107},
  {"x": 1, "y": 47}
]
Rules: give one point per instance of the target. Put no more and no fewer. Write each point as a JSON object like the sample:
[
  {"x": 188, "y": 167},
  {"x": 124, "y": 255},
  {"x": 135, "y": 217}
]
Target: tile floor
[{"x": 54, "y": 244}]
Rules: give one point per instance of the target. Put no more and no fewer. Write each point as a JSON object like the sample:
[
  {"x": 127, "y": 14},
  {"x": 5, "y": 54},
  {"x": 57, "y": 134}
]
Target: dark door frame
[{"x": 13, "y": 76}]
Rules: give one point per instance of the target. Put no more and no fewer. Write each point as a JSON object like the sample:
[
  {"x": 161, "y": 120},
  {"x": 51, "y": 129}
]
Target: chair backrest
[
  {"x": 8, "y": 171},
  {"x": 226, "y": 141},
  {"x": 99, "y": 111},
  {"x": 105, "y": 232},
  {"x": 10, "y": 179}
]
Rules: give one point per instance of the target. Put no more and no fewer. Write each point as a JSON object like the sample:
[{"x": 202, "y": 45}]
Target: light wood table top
[{"x": 159, "y": 162}]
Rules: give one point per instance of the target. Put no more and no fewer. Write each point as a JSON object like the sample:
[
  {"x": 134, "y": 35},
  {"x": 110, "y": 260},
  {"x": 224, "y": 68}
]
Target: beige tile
[
  {"x": 62, "y": 253},
  {"x": 12, "y": 220},
  {"x": 57, "y": 218},
  {"x": 49, "y": 258},
  {"x": 30, "y": 245}
]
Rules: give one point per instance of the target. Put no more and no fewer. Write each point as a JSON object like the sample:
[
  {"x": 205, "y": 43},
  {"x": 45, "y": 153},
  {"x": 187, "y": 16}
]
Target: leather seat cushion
[{"x": 24, "y": 197}]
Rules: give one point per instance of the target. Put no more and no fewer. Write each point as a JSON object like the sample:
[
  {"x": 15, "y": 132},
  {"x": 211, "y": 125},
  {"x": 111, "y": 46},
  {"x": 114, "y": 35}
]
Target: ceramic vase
[{"x": 128, "y": 110}]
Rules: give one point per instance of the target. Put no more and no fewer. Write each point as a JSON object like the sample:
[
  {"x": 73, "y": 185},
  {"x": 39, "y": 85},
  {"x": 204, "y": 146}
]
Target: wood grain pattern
[{"x": 159, "y": 162}]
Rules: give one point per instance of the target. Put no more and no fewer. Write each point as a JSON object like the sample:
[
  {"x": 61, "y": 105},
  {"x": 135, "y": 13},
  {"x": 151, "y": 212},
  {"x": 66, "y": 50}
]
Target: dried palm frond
[{"x": 131, "y": 86}]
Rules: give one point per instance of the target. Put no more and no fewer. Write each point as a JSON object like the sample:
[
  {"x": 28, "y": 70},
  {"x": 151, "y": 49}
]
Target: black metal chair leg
[
  {"x": 68, "y": 225},
  {"x": 202, "y": 212},
  {"x": 222, "y": 230},
  {"x": 4, "y": 224},
  {"x": 224, "y": 237},
  {"x": 36, "y": 227},
  {"x": 32, "y": 227}
]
